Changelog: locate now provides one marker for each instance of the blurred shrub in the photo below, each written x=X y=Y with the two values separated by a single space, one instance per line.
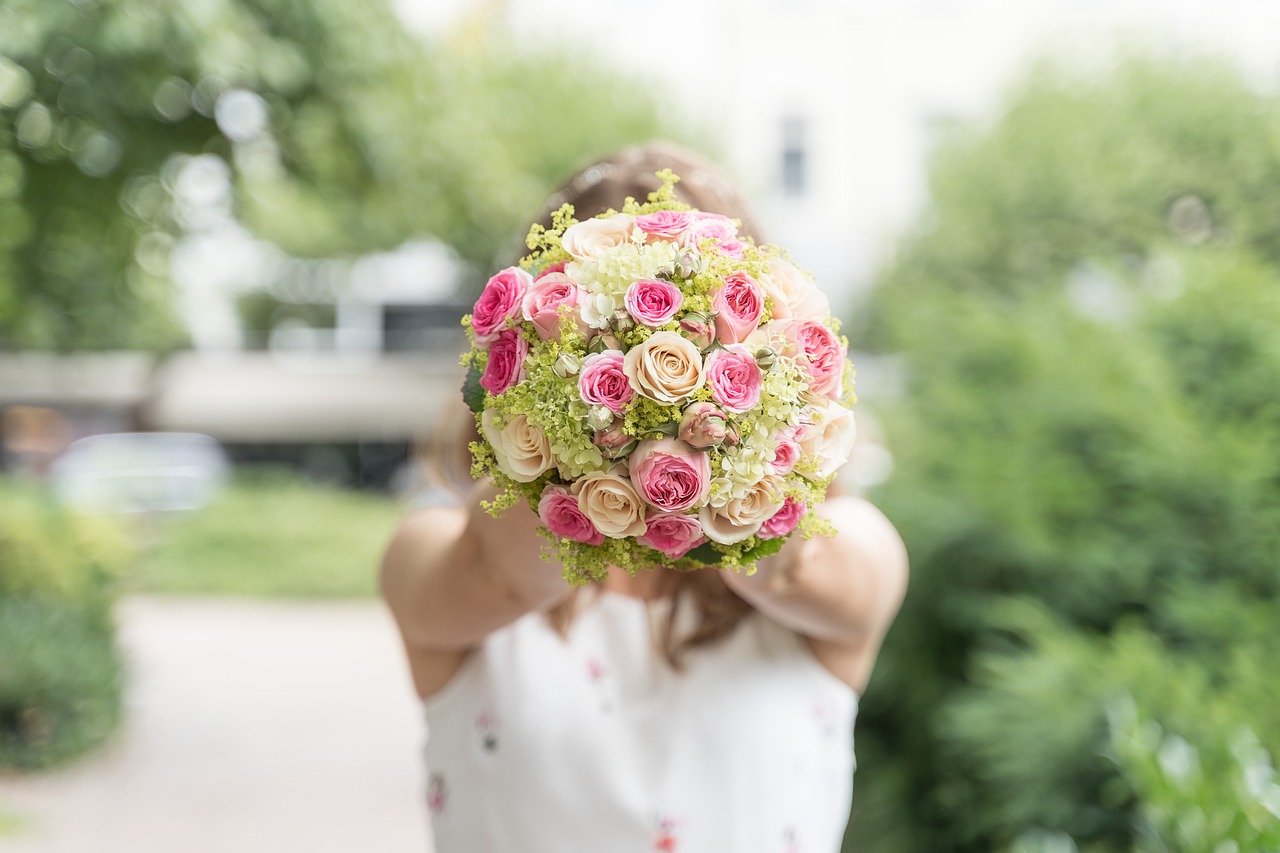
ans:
x=1224 y=798
x=339 y=131
x=1088 y=462
x=60 y=672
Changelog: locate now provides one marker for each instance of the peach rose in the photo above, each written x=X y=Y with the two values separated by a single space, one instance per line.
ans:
x=610 y=502
x=523 y=451
x=742 y=517
x=829 y=439
x=794 y=293
x=595 y=237
x=666 y=368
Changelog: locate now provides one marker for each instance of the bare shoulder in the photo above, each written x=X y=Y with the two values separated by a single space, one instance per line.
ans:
x=425 y=532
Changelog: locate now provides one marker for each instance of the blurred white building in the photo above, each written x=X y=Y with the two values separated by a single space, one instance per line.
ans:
x=826 y=111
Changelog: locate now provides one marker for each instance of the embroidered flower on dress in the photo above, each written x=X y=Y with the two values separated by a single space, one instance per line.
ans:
x=487 y=726
x=595 y=670
x=664 y=836
x=437 y=794
x=824 y=717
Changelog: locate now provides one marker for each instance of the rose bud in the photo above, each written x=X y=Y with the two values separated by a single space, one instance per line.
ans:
x=599 y=417
x=623 y=323
x=688 y=263
x=566 y=365
x=704 y=425
x=698 y=329
x=604 y=341
x=766 y=358
x=613 y=441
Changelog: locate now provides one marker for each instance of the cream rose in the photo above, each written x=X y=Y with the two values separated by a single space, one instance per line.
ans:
x=666 y=368
x=610 y=502
x=522 y=450
x=593 y=238
x=829 y=439
x=794 y=293
x=742 y=517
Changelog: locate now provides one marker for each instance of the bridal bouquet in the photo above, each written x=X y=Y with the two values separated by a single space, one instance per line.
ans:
x=660 y=390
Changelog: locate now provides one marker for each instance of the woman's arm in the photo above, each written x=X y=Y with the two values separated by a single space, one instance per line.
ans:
x=453 y=575
x=841 y=592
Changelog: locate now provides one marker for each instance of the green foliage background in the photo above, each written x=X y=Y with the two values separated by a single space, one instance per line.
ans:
x=374 y=136
x=1088 y=472
x=60 y=671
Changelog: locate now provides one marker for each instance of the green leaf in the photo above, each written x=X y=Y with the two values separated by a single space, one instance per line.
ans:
x=472 y=392
x=764 y=548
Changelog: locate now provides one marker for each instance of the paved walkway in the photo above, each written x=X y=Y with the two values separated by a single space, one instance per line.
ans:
x=250 y=728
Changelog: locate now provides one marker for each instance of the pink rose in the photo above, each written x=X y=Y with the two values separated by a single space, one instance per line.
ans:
x=665 y=224
x=670 y=474
x=506 y=362
x=545 y=297
x=603 y=382
x=704 y=425
x=784 y=520
x=559 y=511
x=652 y=301
x=672 y=533
x=738 y=304
x=793 y=293
x=499 y=301
x=734 y=378
x=553 y=268
x=786 y=453
x=735 y=249
x=710 y=226
x=822 y=353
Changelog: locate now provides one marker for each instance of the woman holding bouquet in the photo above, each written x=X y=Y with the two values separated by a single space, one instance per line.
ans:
x=667 y=710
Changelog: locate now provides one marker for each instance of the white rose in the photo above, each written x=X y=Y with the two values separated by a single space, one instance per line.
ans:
x=742 y=517
x=522 y=450
x=794 y=293
x=830 y=438
x=611 y=503
x=595 y=237
x=666 y=367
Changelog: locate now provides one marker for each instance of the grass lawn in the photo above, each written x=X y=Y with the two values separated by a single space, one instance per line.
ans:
x=10 y=823
x=270 y=534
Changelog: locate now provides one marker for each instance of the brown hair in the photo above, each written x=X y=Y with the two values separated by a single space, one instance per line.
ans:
x=596 y=188
x=632 y=172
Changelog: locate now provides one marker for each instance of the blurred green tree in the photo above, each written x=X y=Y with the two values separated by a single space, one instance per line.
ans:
x=343 y=134
x=1088 y=455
